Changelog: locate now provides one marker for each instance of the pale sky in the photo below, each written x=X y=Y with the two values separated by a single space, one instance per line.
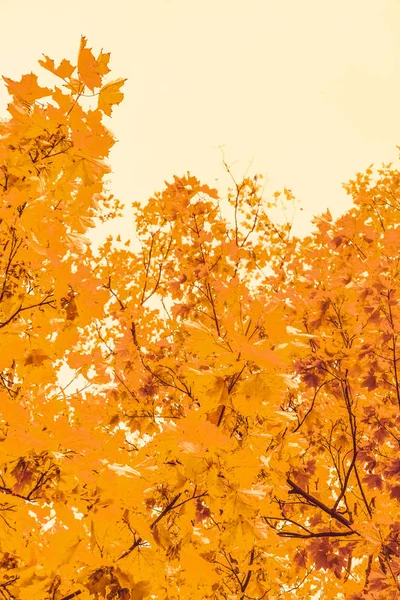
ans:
x=306 y=89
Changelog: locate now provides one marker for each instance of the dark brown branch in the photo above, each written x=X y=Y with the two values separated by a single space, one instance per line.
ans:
x=346 y=481
x=235 y=378
x=312 y=500
x=367 y=572
x=308 y=534
x=215 y=317
x=135 y=544
x=312 y=405
x=173 y=504
x=125 y=386
x=230 y=568
x=7 y=490
x=155 y=288
x=13 y=251
x=246 y=580
x=70 y=596
x=362 y=491
x=221 y=415
x=5 y=584
x=319 y=534
x=42 y=480
x=108 y=287
x=353 y=429
x=191 y=498
x=21 y=309
x=396 y=377
x=184 y=389
x=166 y=510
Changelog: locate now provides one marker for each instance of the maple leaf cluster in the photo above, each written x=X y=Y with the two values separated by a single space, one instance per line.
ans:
x=232 y=426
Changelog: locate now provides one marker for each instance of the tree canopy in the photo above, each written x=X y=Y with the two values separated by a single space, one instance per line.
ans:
x=236 y=428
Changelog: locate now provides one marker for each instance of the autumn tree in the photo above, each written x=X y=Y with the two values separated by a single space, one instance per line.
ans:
x=235 y=430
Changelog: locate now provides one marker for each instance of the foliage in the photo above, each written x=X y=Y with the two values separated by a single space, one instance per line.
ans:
x=236 y=434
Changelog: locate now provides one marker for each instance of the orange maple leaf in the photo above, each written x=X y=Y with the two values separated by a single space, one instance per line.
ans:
x=110 y=94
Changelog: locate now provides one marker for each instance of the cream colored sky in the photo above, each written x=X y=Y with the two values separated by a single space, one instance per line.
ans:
x=306 y=89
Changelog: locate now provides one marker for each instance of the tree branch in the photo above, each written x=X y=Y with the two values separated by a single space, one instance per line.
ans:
x=312 y=500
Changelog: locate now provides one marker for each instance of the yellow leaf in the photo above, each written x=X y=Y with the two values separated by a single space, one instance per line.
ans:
x=88 y=67
x=27 y=89
x=204 y=569
x=36 y=357
x=64 y=70
x=109 y=95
